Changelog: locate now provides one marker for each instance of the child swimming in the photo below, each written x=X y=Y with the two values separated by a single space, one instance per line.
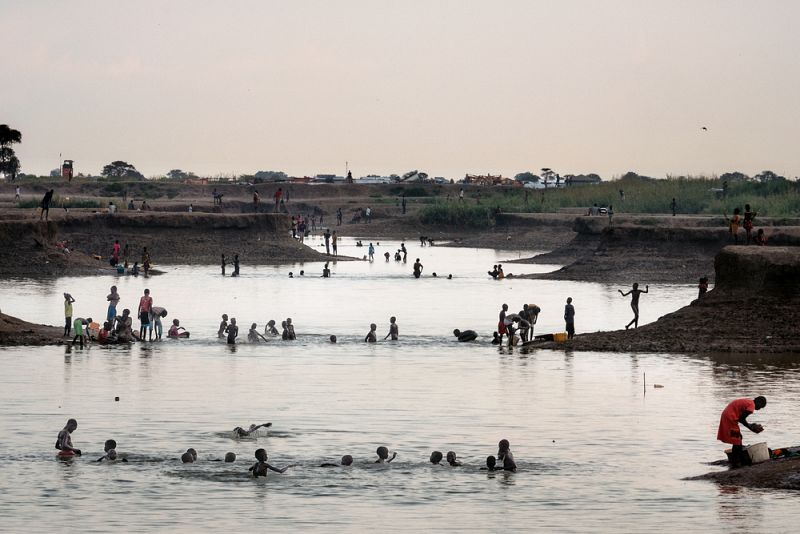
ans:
x=451 y=459
x=241 y=432
x=347 y=461
x=383 y=455
x=504 y=454
x=261 y=467
x=436 y=458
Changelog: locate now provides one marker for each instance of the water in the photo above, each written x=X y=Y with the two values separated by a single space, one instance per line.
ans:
x=596 y=450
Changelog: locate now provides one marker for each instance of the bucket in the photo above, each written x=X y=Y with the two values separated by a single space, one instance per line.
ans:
x=560 y=337
x=758 y=452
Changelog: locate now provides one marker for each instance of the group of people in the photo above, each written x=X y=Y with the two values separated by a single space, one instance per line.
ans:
x=504 y=461
x=119 y=328
x=746 y=220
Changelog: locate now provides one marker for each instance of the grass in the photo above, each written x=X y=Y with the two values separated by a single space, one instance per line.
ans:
x=695 y=196
x=61 y=202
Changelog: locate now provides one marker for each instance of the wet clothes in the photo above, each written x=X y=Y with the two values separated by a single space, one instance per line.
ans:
x=732 y=415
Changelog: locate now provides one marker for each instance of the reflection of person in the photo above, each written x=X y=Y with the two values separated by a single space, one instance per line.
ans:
x=634 y=293
x=734 y=413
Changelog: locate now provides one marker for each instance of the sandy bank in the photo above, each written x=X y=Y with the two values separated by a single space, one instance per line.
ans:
x=774 y=474
x=647 y=249
x=171 y=238
x=15 y=331
x=754 y=308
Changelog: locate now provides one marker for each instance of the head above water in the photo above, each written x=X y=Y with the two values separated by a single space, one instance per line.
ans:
x=332 y=339
x=187 y=457
x=760 y=402
x=192 y=452
x=109 y=444
x=456 y=332
x=224 y=316
x=503 y=445
x=436 y=457
x=373 y=326
x=451 y=457
x=347 y=460
x=491 y=461
x=230 y=457
x=72 y=424
x=111 y=454
x=382 y=452
x=261 y=455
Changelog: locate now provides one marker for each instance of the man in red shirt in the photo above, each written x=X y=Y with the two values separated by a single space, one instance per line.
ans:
x=734 y=413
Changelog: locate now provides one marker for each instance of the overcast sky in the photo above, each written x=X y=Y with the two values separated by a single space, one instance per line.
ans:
x=445 y=86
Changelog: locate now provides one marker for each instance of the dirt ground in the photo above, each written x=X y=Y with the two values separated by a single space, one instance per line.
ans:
x=15 y=331
x=783 y=473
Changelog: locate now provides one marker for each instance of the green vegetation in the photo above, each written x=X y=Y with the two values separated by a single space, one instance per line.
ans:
x=61 y=202
x=694 y=196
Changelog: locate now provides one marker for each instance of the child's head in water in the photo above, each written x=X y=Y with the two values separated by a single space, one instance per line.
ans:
x=503 y=446
x=451 y=458
x=333 y=339
x=491 y=462
x=187 y=457
x=382 y=452
x=347 y=460
x=224 y=316
x=230 y=458
x=109 y=445
x=436 y=457
x=261 y=455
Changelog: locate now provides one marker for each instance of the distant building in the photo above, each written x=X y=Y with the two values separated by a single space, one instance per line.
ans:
x=327 y=179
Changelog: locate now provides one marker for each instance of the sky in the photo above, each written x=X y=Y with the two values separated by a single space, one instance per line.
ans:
x=444 y=86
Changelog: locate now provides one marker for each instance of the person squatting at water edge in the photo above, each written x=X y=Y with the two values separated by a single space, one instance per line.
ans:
x=735 y=413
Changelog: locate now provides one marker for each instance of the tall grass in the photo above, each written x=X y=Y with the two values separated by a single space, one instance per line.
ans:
x=693 y=196
x=60 y=202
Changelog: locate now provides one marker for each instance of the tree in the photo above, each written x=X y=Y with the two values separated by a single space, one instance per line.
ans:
x=177 y=174
x=768 y=176
x=271 y=176
x=734 y=177
x=9 y=164
x=121 y=169
x=526 y=177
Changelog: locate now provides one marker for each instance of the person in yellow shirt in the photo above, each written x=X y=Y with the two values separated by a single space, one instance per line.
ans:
x=68 y=300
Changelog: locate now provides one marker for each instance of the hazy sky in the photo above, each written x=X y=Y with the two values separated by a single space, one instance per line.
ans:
x=445 y=86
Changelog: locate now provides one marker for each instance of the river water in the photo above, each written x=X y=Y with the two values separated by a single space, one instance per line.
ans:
x=598 y=447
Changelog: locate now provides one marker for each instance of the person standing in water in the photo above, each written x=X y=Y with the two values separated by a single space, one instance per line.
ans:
x=394 y=331
x=634 y=293
x=501 y=323
x=64 y=439
x=334 y=240
x=223 y=325
x=417 y=269
x=113 y=299
x=569 y=318
x=223 y=264
x=404 y=251
x=235 y=265
x=372 y=336
x=327 y=236
x=68 y=300
x=145 y=309
x=371 y=252
x=233 y=331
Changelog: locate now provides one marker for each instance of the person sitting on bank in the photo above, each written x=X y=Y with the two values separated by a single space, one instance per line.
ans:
x=735 y=413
